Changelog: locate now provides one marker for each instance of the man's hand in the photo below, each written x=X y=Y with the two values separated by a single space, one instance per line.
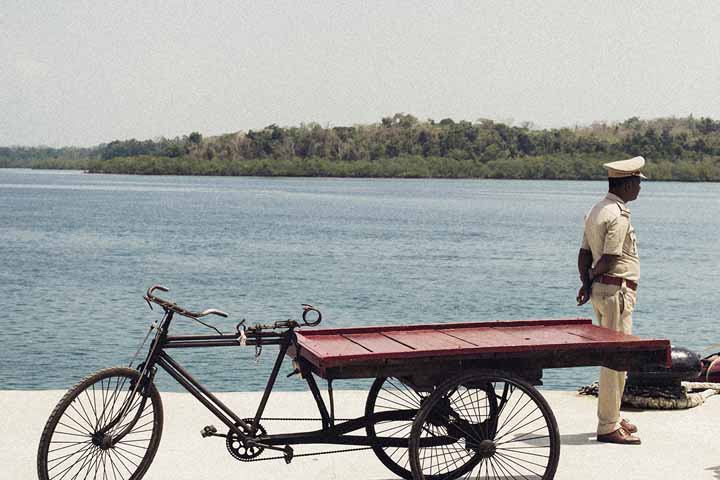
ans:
x=583 y=296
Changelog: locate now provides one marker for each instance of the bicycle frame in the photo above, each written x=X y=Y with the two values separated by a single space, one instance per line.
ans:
x=329 y=433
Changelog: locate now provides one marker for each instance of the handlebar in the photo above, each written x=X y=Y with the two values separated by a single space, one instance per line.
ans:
x=167 y=305
x=308 y=311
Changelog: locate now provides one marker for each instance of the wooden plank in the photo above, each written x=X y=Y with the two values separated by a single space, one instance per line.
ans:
x=485 y=337
x=430 y=340
x=440 y=326
x=547 y=337
x=598 y=333
x=377 y=343
x=331 y=346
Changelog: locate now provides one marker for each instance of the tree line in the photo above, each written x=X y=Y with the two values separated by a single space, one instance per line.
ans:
x=685 y=149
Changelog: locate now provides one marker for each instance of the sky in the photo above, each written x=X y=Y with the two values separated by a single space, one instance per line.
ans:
x=85 y=73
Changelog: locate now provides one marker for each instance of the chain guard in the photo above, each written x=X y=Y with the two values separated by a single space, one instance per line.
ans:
x=241 y=451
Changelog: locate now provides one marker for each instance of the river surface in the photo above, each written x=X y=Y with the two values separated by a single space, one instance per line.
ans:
x=77 y=252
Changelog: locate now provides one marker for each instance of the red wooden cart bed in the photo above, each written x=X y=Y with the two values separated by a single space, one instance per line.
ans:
x=523 y=346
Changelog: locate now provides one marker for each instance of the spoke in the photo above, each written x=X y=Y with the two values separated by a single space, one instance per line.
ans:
x=522 y=452
x=517 y=461
x=394 y=429
x=505 y=401
x=132 y=446
x=83 y=415
x=395 y=399
x=120 y=460
x=403 y=455
x=469 y=435
x=135 y=432
x=92 y=406
x=103 y=396
x=522 y=437
x=128 y=452
x=514 y=413
x=114 y=469
x=118 y=452
x=403 y=392
x=97 y=465
x=393 y=404
x=515 y=424
x=75 y=429
x=461 y=401
x=525 y=440
x=450 y=457
x=90 y=451
x=117 y=391
x=492 y=464
x=72 y=444
x=518 y=427
x=135 y=441
x=66 y=456
x=505 y=468
x=85 y=435
x=105 y=475
x=132 y=432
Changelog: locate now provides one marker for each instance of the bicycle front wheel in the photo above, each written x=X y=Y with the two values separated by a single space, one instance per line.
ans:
x=99 y=429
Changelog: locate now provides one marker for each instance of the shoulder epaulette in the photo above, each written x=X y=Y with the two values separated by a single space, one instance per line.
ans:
x=624 y=211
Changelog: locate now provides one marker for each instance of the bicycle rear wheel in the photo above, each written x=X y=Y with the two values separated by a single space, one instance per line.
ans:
x=485 y=424
x=81 y=437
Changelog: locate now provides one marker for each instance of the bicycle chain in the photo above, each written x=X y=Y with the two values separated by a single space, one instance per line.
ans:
x=309 y=454
x=295 y=419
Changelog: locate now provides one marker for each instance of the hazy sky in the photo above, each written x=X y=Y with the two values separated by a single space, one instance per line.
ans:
x=82 y=73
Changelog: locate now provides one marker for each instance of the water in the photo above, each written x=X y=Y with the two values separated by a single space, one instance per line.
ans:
x=78 y=251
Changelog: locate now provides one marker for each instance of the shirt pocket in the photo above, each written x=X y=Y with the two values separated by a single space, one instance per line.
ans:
x=630 y=244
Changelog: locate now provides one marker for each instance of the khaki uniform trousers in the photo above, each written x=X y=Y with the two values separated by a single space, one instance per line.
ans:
x=613 y=307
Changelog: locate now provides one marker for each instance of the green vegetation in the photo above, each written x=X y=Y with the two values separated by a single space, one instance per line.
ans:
x=684 y=149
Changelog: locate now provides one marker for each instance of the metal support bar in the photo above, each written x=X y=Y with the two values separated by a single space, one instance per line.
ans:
x=216 y=343
x=332 y=402
x=308 y=376
x=228 y=336
x=336 y=434
x=271 y=381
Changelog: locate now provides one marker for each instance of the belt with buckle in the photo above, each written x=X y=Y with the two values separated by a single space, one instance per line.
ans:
x=609 y=280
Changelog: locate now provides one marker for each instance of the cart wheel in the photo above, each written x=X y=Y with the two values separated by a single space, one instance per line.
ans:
x=80 y=437
x=484 y=424
x=391 y=394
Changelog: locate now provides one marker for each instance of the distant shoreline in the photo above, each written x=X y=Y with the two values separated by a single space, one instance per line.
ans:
x=347 y=176
x=402 y=146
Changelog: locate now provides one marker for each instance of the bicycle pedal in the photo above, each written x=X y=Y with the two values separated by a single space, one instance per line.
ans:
x=288 y=453
x=208 y=431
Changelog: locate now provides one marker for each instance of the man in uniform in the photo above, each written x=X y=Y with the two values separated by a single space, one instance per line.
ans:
x=609 y=269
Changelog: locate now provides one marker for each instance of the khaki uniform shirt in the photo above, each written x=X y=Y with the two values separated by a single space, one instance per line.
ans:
x=608 y=230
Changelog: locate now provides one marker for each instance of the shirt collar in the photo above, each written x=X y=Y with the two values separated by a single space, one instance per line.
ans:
x=614 y=198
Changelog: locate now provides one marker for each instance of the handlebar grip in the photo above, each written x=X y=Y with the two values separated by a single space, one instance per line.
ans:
x=156 y=287
x=213 y=311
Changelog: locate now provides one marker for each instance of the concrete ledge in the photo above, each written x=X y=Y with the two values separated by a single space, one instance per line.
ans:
x=677 y=444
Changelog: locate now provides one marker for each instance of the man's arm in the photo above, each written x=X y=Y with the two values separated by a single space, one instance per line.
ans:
x=588 y=273
x=603 y=265
x=584 y=263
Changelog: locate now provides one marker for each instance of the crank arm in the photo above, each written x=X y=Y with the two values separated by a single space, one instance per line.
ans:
x=287 y=450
